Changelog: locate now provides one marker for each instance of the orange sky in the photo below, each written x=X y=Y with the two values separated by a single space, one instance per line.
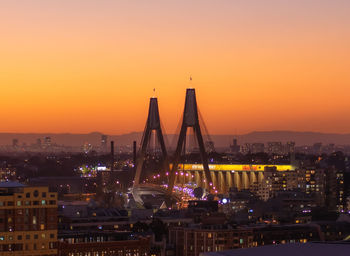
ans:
x=81 y=66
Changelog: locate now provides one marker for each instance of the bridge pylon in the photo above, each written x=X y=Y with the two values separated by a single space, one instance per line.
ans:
x=152 y=124
x=190 y=120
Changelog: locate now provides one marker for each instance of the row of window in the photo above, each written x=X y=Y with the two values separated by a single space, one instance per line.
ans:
x=27 y=237
x=28 y=203
x=20 y=247
x=36 y=194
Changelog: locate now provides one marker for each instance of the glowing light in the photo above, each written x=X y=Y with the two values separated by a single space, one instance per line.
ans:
x=234 y=167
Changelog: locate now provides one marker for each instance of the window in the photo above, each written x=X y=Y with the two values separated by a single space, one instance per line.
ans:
x=36 y=236
x=27 y=237
x=27 y=202
x=42 y=227
x=36 y=193
x=43 y=236
x=19 y=203
x=10 y=203
x=43 y=202
x=52 y=235
x=43 y=194
x=35 y=202
x=2 y=238
x=1 y=203
x=34 y=220
x=27 y=195
x=19 y=237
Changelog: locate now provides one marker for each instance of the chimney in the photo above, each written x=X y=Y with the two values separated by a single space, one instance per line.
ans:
x=112 y=155
x=134 y=152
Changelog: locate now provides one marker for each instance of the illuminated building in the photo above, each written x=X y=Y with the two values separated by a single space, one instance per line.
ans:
x=274 y=148
x=87 y=244
x=335 y=189
x=257 y=148
x=193 y=241
x=314 y=248
x=282 y=234
x=289 y=147
x=47 y=142
x=28 y=220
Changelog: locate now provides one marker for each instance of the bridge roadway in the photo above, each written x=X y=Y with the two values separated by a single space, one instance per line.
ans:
x=226 y=176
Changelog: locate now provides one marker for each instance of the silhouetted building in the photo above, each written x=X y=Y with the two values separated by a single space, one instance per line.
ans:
x=104 y=143
x=235 y=148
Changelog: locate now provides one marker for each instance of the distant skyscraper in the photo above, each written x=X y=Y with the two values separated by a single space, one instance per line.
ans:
x=15 y=143
x=47 y=142
x=38 y=143
x=235 y=148
x=104 y=143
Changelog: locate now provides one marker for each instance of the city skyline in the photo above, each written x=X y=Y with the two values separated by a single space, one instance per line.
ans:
x=82 y=67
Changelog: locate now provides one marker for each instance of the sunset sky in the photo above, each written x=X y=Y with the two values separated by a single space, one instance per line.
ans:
x=80 y=66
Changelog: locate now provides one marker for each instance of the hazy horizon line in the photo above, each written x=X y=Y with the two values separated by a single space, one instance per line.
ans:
x=231 y=134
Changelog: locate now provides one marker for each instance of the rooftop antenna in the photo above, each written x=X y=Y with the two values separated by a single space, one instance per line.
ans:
x=154 y=93
x=191 y=82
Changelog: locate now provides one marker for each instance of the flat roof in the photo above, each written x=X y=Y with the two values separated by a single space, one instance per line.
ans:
x=319 y=249
x=11 y=184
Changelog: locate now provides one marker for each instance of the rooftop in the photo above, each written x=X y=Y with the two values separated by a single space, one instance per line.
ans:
x=11 y=184
x=319 y=249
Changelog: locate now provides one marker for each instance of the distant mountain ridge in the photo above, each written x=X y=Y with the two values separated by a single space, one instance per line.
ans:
x=70 y=139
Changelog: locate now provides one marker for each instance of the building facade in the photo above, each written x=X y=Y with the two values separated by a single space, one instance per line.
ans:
x=28 y=220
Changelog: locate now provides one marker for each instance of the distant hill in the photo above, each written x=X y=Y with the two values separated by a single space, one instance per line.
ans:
x=300 y=138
